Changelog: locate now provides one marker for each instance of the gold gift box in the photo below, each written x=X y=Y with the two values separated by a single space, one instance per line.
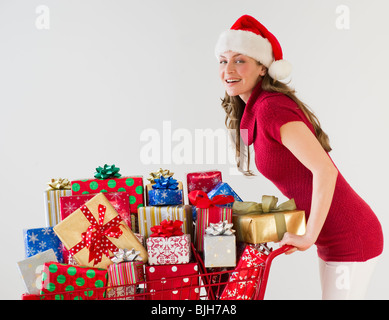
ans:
x=70 y=229
x=262 y=227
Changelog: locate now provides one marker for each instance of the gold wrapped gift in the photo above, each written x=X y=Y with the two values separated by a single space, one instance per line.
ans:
x=266 y=222
x=73 y=232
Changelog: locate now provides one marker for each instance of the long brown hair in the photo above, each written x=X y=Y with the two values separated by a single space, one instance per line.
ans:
x=234 y=107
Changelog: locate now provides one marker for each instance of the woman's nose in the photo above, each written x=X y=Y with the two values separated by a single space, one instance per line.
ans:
x=230 y=67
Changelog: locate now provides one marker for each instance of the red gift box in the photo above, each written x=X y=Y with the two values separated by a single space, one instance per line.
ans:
x=168 y=250
x=243 y=281
x=133 y=185
x=204 y=181
x=173 y=282
x=66 y=282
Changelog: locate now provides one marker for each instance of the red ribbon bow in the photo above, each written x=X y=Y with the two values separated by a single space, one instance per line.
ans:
x=167 y=229
x=200 y=199
x=95 y=237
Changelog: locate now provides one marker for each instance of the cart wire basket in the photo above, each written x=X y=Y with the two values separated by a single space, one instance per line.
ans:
x=248 y=283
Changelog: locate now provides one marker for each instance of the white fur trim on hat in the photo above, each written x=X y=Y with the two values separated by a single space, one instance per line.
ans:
x=280 y=69
x=247 y=43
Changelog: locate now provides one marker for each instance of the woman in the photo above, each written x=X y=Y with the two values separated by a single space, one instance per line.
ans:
x=291 y=150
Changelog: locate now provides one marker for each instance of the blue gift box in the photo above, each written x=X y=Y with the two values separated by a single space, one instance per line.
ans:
x=165 y=197
x=41 y=239
x=223 y=188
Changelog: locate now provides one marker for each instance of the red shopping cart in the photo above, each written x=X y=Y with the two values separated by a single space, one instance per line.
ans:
x=247 y=283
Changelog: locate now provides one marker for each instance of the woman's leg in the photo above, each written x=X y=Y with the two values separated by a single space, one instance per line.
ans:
x=345 y=280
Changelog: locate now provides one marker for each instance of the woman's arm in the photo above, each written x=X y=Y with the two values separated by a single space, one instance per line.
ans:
x=297 y=137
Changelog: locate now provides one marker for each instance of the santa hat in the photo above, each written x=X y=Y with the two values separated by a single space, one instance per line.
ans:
x=249 y=37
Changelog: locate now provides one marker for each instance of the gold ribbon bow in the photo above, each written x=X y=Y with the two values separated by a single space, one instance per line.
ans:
x=160 y=173
x=59 y=184
x=268 y=205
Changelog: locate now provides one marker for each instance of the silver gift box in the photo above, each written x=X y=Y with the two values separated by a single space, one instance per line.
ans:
x=219 y=251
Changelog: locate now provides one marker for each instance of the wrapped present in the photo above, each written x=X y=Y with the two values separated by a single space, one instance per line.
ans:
x=38 y=240
x=95 y=231
x=219 y=245
x=126 y=270
x=173 y=282
x=31 y=270
x=204 y=181
x=57 y=189
x=109 y=180
x=66 y=282
x=243 y=282
x=151 y=216
x=168 y=244
x=223 y=188
x=208 y=211
x=165 y=191
x=267 y=222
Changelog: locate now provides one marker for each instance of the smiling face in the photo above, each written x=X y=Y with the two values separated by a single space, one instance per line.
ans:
x=240 y=74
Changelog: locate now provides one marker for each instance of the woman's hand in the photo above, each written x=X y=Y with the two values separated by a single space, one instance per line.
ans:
x=300 y=243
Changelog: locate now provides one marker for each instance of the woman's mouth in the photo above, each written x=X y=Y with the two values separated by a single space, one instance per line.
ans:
x=231 y=81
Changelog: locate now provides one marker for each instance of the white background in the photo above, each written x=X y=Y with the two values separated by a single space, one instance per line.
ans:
x=79 y=95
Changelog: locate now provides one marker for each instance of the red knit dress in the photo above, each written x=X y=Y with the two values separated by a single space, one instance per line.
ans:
x=351 y=231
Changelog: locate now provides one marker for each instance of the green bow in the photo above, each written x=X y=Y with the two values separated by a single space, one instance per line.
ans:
x=107 y=172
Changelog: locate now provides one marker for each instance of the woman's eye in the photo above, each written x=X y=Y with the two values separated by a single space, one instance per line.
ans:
x=239 y=61
x=223 y=61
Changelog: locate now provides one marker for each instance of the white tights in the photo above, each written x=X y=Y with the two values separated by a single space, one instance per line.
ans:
x=345 y=280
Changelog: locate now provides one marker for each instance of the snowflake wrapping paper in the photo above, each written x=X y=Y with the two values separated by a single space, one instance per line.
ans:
x=243 y=281
x=205 y=180
x=38 y=240
x=164 y=197
x=224 y=189
x=133 y=185
x=168 y=250
x=173 y=282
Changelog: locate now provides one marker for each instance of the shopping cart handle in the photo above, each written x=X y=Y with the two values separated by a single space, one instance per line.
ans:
x=280 y=250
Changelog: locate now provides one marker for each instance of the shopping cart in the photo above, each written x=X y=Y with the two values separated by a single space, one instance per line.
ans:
x=206 y=284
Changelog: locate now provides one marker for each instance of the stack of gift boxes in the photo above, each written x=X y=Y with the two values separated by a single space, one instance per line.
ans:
x=112 y=237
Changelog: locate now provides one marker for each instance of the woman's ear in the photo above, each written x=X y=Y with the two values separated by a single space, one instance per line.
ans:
x=262 y=70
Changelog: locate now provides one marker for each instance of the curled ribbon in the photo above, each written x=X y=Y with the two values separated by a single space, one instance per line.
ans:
x=165 y=183
x=125 y=255
x=59 y=184
x=200 y=199
x=96 y=236
x=158 y=174
x=107 y=172
x=220 y=228
x=167 y=229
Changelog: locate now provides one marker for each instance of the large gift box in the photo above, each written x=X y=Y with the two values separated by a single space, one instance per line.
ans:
x=31 y=270
x=151 y=216
x=219 y=245
x=209 y=211
x=38 y=240
x=243 y=282
x=168 y=244
x=265 y=222
x=95 y=231
x=65 y=282
x=57 y=189
x=204 y=181
x=112 y=183
x=173 y=282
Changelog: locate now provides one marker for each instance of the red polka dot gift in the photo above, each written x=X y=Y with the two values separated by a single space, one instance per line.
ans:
x=95 y=231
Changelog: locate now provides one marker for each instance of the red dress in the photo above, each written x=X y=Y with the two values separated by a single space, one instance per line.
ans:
x=351 y=231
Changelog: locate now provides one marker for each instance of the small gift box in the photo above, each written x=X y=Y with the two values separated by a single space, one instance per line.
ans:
x=173 y=282
x=243 y=281
x=219 y=245
x=223 y=188
x=65 y=282
x=38 y=240
x=151 y=216
x=168 y=244
x=31 y=270
x=204 y=181
x=126 y=270
x=107 y=179
x=266 y=222
x=95 y=231
x=57 y=189
x=208 y=211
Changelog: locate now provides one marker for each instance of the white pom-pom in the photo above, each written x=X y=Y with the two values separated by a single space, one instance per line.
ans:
x=280 y=69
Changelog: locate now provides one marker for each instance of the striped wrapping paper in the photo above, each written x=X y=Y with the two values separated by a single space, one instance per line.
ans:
x=150 y=216
x=125 y=273
x=52 y=206
x=207 y=216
